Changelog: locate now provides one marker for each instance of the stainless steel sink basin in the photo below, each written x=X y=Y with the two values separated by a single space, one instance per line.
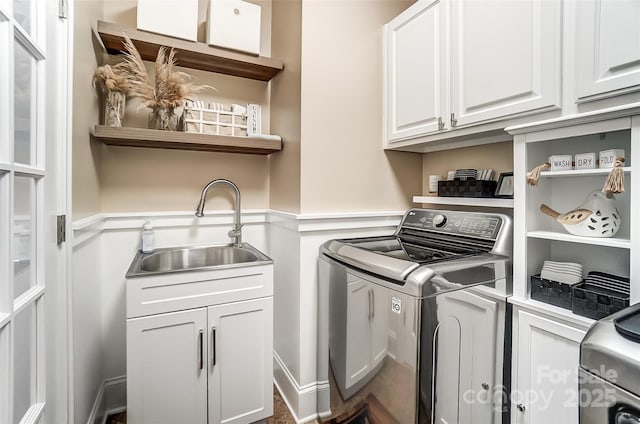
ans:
x=195 y=258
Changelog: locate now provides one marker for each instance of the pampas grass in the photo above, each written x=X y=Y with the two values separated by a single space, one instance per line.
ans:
x=114 y=78
x=168 y=90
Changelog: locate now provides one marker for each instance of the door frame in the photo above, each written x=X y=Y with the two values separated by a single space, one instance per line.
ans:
x=51 y=196
x=60 y=391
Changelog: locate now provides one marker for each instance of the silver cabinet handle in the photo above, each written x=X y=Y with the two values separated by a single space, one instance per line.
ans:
x=201 y=346
x=369 y=299
x=454 y=121
x=213 y=346
x=521 y=407
x=440 y=123
x=373 y=304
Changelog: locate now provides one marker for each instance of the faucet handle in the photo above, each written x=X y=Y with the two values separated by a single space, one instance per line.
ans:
x=236 y=230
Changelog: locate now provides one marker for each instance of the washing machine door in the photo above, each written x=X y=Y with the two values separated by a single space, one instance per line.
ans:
x=626 y=415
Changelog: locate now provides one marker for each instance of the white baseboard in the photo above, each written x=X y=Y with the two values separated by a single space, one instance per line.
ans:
x=323 y=399
x=112 y=412
x=301 y=400
x=95 y=415
x=111 y=399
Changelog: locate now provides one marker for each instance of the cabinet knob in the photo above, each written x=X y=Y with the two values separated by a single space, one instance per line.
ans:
x=521 y=407
x=485 y=386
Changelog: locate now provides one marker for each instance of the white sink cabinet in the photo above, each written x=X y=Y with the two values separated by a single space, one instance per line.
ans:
x=199 y=346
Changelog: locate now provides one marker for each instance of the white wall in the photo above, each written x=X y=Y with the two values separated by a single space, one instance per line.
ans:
x=88 y=347
x=294 y=243
x=104 y=246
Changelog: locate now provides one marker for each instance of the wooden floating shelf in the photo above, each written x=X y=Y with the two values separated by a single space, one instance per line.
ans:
x=621 y=243
x=158 y=139
x=486 y=202
x=190 y=54
x=581 y=172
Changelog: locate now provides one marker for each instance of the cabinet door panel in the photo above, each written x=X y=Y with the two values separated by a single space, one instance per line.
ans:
x=505 y=58
x=466 y=359
x=608 y=48
x=165 y=383
x=358 y=332
x=241 y=381
x=379 y=324
x=547 y=371
x=414 y=71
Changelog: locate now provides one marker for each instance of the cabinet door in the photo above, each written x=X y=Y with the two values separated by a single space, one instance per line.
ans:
x=380 y=307
x=166 y=368
x=414 y=74
x=607 y=48
x=546 y=373
x=505 y=58
x=241 y=361
x=358 y=332
x=466 y=358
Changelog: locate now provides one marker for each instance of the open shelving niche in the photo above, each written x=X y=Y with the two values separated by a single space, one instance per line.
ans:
x=538 y=237
x=194 y=55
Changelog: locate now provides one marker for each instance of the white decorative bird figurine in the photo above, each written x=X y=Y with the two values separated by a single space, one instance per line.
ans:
x=598 y=216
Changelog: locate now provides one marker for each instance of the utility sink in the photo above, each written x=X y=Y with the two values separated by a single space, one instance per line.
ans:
x=178 y=259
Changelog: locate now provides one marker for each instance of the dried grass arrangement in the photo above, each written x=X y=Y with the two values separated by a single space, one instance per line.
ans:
x=165 y=93
x=113 y=78
x=114 y=85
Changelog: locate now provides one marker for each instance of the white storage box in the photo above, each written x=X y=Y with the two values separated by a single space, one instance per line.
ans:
x=561 y=162
x=608 y=157
x=234 y=24
x=586 y=160
x=175 y=18
x=215 y=121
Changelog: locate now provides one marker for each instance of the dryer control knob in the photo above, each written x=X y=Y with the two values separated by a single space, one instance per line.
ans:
x=439 y=221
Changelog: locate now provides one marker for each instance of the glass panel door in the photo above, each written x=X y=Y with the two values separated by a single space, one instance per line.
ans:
x=24 y=100
x=22 y=175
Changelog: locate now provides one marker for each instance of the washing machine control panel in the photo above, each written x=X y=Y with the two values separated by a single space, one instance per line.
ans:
x=453 y=222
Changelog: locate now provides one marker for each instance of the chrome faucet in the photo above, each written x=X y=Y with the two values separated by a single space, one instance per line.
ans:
x=236 y=232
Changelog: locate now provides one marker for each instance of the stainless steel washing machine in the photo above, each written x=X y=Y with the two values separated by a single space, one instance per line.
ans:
x=610 y=370
x=414 y=326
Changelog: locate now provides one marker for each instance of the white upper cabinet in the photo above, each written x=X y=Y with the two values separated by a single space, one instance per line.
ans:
x=505 y=58
x=415 y=51
x=607 y=48
x=453 y=63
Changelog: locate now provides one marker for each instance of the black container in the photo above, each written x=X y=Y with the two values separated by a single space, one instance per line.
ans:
x=466 y=188
x=552 y=292
x=596 y=302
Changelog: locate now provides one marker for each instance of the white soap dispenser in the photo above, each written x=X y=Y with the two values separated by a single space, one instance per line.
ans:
x=147 y=238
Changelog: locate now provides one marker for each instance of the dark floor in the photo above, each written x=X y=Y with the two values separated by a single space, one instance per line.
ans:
x=357 y=411
x=281 y=413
